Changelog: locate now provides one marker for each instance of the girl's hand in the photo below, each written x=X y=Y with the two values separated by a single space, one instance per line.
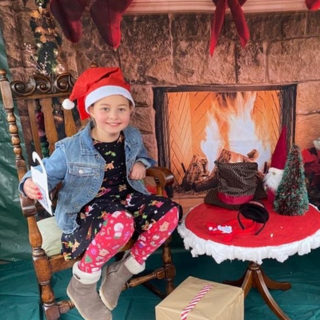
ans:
x=138 y=171
x=31 y=190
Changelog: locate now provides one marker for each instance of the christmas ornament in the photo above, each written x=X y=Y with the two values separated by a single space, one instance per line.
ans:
x=292 y=195
x=238 y=17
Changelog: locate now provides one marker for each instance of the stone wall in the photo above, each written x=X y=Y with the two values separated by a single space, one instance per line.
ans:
x=173 y=49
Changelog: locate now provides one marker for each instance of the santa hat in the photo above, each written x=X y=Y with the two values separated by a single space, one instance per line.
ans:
x=278 y=161
x=95 y=84
x=279 y=156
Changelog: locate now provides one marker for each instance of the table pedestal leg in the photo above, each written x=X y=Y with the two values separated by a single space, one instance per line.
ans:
x=255 y=278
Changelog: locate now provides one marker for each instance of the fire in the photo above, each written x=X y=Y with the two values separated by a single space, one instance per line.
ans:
x=233 y=124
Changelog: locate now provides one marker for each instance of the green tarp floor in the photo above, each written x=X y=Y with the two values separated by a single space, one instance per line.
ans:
x=19 y=292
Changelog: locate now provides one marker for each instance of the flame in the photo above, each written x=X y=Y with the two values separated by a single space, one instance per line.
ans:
x=212 y=147
x=231 y=126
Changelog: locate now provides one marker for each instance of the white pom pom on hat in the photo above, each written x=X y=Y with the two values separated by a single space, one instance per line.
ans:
x=68 y=104
x=94 y=84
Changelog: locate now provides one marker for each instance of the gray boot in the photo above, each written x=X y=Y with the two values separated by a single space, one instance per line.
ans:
x=82 y=290
x=115 y=277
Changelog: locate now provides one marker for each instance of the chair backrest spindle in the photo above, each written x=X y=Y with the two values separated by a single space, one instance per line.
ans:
x=12 y=123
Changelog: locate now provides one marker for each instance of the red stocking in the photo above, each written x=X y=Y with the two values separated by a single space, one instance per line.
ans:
x=68 y=14
x=217 y=22
x=107 y=15
x=313 y=4
x=238 y=18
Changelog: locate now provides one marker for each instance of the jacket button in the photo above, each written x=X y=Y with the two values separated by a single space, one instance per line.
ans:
x=80 y=171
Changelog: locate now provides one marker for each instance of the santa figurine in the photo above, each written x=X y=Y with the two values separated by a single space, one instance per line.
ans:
x=273 y=178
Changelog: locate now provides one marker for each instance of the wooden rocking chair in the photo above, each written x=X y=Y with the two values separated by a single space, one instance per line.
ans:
x=39 y=102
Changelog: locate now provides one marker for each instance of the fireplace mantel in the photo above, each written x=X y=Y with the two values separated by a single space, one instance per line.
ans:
x=168 y=6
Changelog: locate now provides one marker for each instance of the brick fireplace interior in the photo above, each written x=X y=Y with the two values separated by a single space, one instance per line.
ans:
x=171 y=50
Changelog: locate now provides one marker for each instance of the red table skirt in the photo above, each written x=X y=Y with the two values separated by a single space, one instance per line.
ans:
x=285 y=234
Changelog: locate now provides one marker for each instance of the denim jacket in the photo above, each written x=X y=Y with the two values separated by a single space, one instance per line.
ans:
x=80 y=167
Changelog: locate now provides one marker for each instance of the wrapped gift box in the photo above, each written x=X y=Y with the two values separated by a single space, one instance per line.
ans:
x=196 y=299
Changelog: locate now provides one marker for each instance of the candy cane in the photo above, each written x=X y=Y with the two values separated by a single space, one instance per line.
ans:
x=194 y=301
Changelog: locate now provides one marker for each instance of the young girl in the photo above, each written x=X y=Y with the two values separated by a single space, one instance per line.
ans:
x=103 y=200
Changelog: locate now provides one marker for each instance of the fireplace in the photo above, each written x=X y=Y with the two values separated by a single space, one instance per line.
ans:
x=195 y=126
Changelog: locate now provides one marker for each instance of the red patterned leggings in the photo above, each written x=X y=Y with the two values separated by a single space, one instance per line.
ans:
x=117 y=230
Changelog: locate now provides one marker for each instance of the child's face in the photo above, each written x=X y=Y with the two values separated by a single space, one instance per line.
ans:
x=111 y=115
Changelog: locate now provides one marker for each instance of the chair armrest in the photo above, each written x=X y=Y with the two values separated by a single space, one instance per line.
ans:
x=29 y=211
x=163 y=178
x=28 y=207
x=163 y=175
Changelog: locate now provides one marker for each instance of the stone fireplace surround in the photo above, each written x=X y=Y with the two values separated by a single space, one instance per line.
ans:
x=172 y=49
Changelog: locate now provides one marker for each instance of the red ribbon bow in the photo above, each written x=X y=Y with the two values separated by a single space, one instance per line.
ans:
x=238 y=17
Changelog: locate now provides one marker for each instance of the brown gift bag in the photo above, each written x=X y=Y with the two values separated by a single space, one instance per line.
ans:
x=196 y=299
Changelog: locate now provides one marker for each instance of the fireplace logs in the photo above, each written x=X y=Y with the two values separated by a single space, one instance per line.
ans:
x=198 y=178
x=195 y=173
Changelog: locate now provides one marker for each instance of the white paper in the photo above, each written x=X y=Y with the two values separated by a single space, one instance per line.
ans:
x=41 y=180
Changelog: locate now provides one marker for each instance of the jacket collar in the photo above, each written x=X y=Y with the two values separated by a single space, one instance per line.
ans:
x=86 y=144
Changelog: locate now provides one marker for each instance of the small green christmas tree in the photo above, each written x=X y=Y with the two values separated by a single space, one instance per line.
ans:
x=292 y=196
